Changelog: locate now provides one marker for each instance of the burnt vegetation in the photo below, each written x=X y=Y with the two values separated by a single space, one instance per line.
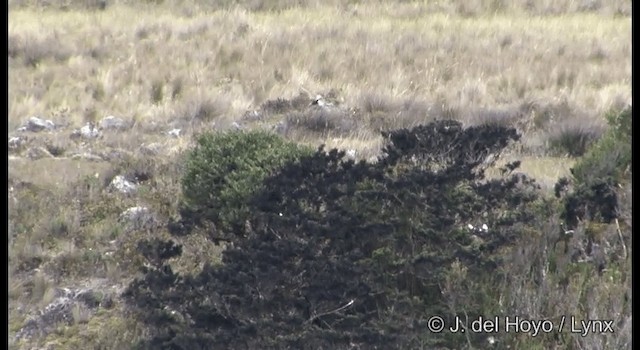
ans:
x=335 y=254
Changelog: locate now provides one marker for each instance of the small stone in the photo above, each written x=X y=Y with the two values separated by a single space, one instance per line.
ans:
x=121 y=184
x=174 y=132
x=89 y=131
x=112 y=123
x=16 y=142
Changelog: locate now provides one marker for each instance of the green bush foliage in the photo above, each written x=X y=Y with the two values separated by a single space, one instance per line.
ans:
x=610 y=158
x=226 y=169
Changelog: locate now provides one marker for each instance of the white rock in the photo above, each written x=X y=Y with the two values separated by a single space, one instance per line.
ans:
x=16 y=142
x=174 y=132
x=112 y=123
x=59 y=310
x=89 y=131
x=36 y=124
x=121 y=184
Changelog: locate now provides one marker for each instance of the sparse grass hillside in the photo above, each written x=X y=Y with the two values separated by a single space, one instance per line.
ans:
x=118 y=164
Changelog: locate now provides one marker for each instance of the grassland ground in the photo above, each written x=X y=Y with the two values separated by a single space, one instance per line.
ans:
x=550 y=69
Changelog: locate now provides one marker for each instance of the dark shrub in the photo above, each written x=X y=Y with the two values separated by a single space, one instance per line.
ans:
x=600 y=171
x=345 y=254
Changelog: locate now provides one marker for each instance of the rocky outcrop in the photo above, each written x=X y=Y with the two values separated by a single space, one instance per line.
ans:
x=88 y=131
x=37 y=124
x=113 y=123
x=85 y=301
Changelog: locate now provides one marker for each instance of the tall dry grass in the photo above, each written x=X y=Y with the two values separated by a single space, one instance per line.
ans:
x=157 y=65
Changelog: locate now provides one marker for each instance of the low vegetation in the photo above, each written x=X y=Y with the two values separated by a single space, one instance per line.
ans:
x=345 y=254
x=224 y=171
x=303 y=174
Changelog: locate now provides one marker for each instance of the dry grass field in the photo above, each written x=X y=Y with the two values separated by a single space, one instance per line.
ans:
x=547 y=67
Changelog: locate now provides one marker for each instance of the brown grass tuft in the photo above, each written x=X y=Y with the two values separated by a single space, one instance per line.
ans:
x=573 y=137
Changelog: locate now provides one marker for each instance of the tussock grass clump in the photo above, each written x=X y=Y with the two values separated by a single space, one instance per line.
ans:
x=157 y=91
x=278 y=106
x=381 y=112
x=573 y=137
x=374 y=103
x=323 y=121
x=545 y=114
x=203 y=109
x=74 y=263
x=177 y=86
x=505 y=117
x=33 y=49
x=414 y=111
x=39 y=289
